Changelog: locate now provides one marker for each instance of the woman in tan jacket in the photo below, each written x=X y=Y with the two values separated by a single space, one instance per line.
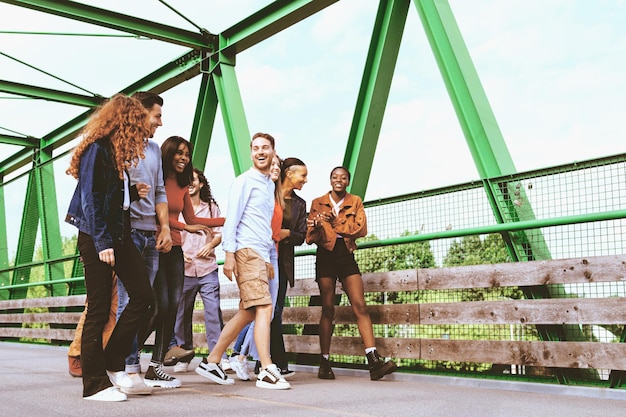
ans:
x=335 y=221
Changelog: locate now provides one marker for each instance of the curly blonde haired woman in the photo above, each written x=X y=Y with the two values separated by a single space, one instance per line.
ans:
x=112 y=140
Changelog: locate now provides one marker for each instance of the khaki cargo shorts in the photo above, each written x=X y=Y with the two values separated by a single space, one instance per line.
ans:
x=252 y=279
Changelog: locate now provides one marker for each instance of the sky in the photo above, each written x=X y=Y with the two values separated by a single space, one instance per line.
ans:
x=552 y=70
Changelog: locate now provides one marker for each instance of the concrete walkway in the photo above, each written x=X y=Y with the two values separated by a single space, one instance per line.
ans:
x=37 y=384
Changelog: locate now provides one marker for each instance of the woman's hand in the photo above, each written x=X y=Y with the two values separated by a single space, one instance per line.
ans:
x=205 y=251
x=107 y=256
x=196 y=228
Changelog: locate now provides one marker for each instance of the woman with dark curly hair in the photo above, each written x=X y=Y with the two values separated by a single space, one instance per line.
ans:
x=168 y=285
x=112 y=141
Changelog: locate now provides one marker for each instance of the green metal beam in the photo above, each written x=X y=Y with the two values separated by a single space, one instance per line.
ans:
x=235 y=123
x=51 y=240
x=482 y=133
x=164 y=78
x=374 y=92
x=117 y=21
x=5 y=277
x=203 y=121
x=49 y=94
x=267 y=22
x=28 y=142
x=27 y=238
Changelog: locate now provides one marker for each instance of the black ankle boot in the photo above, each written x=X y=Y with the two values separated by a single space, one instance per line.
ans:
x=378 y=367
x=325 y=371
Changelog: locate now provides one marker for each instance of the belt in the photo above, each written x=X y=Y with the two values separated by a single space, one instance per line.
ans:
x=148 y=233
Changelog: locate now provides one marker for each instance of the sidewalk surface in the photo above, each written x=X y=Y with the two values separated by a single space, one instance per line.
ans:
x=37 y=384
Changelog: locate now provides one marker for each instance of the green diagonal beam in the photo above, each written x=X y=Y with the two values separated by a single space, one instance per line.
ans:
x=479 y=125
x=49 y=94
x=203 y=121
x=374 y=92
x=28 y=142
x=268 y=21
x=166 y=77
x=235 y=123
x=117 y=21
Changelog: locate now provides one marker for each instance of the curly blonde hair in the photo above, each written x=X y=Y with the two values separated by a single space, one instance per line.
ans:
x=125 y=122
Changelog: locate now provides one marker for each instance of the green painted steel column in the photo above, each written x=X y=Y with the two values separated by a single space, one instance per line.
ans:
x=231 y=105
x=5 y=277
x=203 y=121
x=52 y=243
x=27 y=238
x=374 y=92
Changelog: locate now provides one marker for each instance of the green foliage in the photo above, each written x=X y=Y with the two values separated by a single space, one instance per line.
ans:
x=395 y=257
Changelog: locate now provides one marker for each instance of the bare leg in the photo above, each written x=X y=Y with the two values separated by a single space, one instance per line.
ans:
x=327 y=296
x=262 y=321
x=353 y=286
x=230 y=332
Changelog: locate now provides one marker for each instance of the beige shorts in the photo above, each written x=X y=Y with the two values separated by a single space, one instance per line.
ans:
x=252 y=279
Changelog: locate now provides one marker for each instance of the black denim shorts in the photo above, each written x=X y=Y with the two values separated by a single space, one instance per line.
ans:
x=338 y=263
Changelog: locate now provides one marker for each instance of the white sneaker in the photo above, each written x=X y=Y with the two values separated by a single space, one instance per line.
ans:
x=213 y=372
x=133 y=369
x=181 y=367
x=108 y=394
x=240 y=366
x=120 y=379
x=270 y=378
x=139 y=386
x=225 y=364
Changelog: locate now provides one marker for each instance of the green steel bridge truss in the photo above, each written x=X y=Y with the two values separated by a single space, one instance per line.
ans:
x=213 y=58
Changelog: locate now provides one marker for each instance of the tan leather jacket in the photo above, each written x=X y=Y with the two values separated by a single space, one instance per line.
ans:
x=350 y=223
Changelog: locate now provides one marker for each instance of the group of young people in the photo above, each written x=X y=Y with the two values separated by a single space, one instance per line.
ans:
x=148 y=228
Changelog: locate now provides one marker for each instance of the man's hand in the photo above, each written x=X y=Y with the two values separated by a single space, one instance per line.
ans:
x=107 y=256
x=142 y=189
x=270 y=270
x=230 y=266
x=164 y=240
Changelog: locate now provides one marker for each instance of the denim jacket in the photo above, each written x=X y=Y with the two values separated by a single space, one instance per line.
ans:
x=96 y=206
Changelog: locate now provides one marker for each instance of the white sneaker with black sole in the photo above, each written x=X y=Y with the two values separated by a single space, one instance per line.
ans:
x=270 y=378
x=157 y=378
x=213 y=372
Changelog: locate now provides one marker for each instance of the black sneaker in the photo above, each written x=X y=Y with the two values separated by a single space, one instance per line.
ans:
x=213 y=372
x=325 y=371
x=156 y=377
x=287 y=373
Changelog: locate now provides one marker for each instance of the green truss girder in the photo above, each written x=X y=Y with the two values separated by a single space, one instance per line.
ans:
x=48 y=214
x=488 y=148
x=117 y=21
x=235 y=122
x=27 y=142
x=5 y=277
x=374 y=92
x=49 y=94
x=268 y=21
x=203 y=121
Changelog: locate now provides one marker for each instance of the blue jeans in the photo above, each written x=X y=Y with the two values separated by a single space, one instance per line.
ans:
x=209 y=288
x=168 y=289
x=146 y=244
